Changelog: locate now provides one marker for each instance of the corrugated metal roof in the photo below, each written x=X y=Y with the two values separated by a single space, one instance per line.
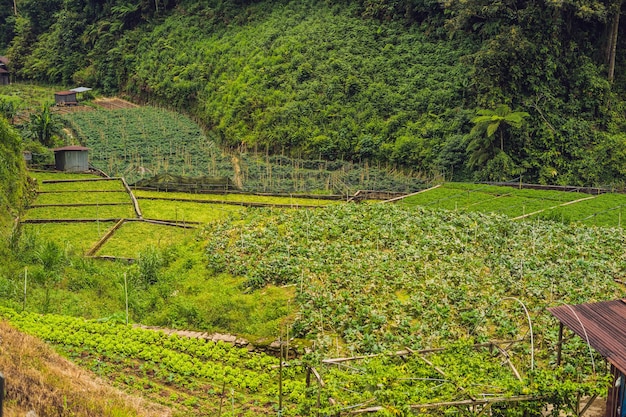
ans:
x=603 y=324
x=71 y=148
x=4 y=71
x=64 y=93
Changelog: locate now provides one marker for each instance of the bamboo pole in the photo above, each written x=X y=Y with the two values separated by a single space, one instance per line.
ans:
x=408 y=352
x=553 y=207
x=559 y=345
x=393 y=200
x=133 y=199
x=104 y=238
x=508 y=361
x=493 y=400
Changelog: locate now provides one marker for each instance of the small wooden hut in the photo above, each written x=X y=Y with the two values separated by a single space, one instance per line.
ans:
x=65 y=98
x=5 y=74
x=71 y=159
x=603 y=326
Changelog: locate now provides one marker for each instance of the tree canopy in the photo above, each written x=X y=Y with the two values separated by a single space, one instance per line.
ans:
x=396 y=82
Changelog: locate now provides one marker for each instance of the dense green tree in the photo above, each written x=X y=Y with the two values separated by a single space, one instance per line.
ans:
x=391 y=81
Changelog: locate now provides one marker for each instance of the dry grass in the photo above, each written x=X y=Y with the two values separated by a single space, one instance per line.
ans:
x=39 y=379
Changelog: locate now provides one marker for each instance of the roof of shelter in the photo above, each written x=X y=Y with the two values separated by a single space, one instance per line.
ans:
x=602 y=325
x=71 y=148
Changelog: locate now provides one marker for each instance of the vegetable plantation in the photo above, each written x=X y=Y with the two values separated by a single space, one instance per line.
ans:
x=194 y=376
x=375 y=277
x=145 y=141
x=355 y=279
x=201 y=377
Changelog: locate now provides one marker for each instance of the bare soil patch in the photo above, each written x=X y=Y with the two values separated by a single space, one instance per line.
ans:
x=114 y=103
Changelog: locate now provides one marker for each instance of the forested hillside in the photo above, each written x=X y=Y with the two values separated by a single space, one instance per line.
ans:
x=474 y=90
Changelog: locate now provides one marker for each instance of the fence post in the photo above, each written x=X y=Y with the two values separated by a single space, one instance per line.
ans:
x=1 y=393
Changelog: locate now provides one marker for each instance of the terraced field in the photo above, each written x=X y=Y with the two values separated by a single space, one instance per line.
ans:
x=597 y=210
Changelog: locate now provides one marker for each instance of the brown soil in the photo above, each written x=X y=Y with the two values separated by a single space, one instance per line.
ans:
x=114 y=103
x=597 y=409
x=71 y=109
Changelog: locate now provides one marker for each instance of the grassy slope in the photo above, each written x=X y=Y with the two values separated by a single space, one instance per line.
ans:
x=39 y=379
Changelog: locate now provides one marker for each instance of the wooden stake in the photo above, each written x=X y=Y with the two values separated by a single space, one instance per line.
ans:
x=559 y=345
x=25 y=281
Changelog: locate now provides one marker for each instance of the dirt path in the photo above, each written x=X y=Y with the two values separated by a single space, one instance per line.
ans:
x=238 y=180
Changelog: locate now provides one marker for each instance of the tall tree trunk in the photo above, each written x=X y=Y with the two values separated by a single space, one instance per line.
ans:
x=15 y=7
x=614 y=32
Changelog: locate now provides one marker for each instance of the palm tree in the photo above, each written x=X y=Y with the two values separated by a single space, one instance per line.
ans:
x=43 y=126
x=489 y=121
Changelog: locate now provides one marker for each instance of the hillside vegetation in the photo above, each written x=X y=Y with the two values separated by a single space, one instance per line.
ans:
x=13 y=184
x=471 y=90
x=38 y=379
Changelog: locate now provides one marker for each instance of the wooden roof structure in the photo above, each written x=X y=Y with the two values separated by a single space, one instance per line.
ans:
x=602 y=325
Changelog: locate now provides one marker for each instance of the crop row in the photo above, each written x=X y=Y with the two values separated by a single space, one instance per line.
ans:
x=167 y=356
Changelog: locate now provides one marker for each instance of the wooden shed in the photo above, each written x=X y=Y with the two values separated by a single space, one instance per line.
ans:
x=65 y=98
x=603 y=326
x=71 y=159
x=5 y=74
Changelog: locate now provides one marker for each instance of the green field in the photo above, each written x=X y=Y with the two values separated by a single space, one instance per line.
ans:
x=184 y=211
x=78 y=236
x=64 y=197
x=603 y=210
x=43 y=175
x=236 y=198
x=86 y=186
x=135 y=237
x=81 y=212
